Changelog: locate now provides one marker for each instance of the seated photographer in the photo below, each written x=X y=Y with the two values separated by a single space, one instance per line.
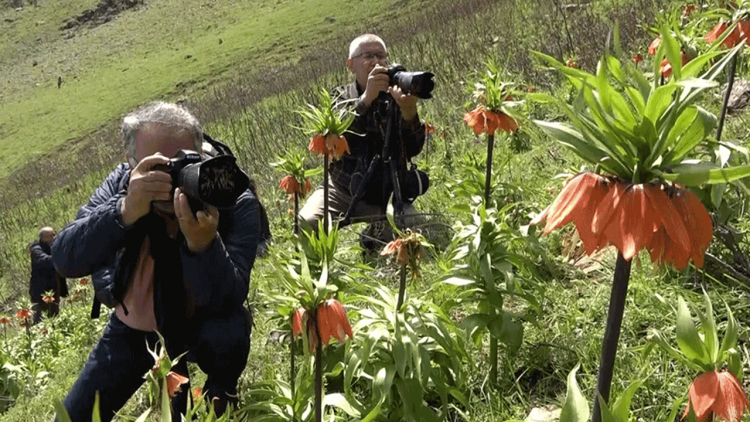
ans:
x=168 y=268
x=368 y=93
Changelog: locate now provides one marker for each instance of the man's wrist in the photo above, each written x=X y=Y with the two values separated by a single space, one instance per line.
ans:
x=123 y=217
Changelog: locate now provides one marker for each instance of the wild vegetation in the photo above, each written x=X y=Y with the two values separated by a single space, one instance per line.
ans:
x=425 y=355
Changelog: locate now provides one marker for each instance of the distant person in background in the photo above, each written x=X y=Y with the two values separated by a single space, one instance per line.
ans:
x=368 y=61
x=44 y=277
x=167 y=268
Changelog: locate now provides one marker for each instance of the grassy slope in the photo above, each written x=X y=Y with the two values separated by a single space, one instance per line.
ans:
x=574 y=302
x=155 y=51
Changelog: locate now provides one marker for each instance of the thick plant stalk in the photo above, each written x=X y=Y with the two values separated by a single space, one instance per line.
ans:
x=318 y=373
x=291 y=360
x=296 y=218
x=401 y=288
x=325 y=193
x=493 y=357
x=612 y=333
x=488 y=177
x=730 y=83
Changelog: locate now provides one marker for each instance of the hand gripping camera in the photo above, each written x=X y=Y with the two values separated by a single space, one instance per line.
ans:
x=217 y=181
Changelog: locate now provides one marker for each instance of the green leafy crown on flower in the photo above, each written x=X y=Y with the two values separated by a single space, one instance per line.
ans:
x=328 y=117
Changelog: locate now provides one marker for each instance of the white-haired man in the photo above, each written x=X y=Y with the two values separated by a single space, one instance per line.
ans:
x=164 y=268
x=368 y=61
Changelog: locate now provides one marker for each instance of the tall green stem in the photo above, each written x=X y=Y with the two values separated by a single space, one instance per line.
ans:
x=493 y=354
x=488 y=176
x=325 y=193
x=401 y=288
x=730 y=83
x=318 y=373
x=296 y=216
x=612 y=333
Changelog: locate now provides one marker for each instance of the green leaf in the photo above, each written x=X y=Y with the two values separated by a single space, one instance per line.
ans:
x=339 y=401
x=621 y=408
x=672 y=48
x=698 y=174
x=576 y=407
x=690 y=129
x=475 y=325
x=166 y=412
x=688 y=338
x=708 y=326
x=62 y=413
x=573 y=139
x=658 y=102
x=730 y=333
x=458 y=281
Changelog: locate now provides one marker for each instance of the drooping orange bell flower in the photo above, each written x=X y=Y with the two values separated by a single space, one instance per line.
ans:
x=666 y=67
x=654 y=46
x=336 y=145
x=577 y=202
x=637 y=58
x=719 y=393
x=23 y=314
x=174 y=383
x=428 y=128
x=83 y=281
x=572 y=64
x=668 y=221
x=289 y=184
x=317 y=144
x=739 y=34
x=48 y=298
x=297 y=318
x=197 y=393
x=5 y=321
x=332 y=322
x=488 y=121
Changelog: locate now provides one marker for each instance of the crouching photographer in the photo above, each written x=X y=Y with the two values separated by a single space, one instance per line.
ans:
x=384 y=137
x=170 y=238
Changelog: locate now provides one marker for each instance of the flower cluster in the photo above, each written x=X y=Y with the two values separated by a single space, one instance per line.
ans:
x=738 y=35
x=290 y=185
x=408 y=251
x=669 y=221
x=331 y=144
x=488 y=121
x=330 y=319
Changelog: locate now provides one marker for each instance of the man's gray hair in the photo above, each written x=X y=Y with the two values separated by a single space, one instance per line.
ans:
x=364 y=39
x=160 y=113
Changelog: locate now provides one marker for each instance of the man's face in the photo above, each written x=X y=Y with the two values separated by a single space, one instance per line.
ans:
x=361 y=64
x=166 y=141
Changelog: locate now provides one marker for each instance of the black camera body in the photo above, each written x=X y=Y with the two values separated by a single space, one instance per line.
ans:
x=418 y=84
x=217 y=181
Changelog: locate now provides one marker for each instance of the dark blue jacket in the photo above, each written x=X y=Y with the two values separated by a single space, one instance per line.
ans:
x=43 y=274
x=216 y=281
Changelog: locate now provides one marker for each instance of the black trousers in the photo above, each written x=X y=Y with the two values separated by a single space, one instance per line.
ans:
x=116 y=366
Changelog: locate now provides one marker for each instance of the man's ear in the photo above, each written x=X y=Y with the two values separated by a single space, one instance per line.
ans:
x=132 y=162
x=350 y=65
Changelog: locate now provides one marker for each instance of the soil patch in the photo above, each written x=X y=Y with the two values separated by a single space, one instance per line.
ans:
x=104 y=12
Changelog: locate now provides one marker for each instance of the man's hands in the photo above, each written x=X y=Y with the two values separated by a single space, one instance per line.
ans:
x=146 y=185
x=199 y=230
x=378 y=82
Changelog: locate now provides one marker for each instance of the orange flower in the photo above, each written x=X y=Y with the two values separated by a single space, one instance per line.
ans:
x=197 y=393
x=637 y=58
x=391 y=248
x=428 y=128
x=23 y=314
x=572 y=63
x=577 y=202
x=317 y=144
x=654 y=46
x=666 y=67
x=670 y=222
x=174 y=383
x=48 y=299
x=716 y=393
x=297 y=318
x=83 y=281
x=308 y=187
x=332 y=322
x=336 y=145
x=488 y=121
x=289 y=184
x=688 y=10
x=5 y=320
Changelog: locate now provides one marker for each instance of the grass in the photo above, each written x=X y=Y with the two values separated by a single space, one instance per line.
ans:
x=249 y=105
